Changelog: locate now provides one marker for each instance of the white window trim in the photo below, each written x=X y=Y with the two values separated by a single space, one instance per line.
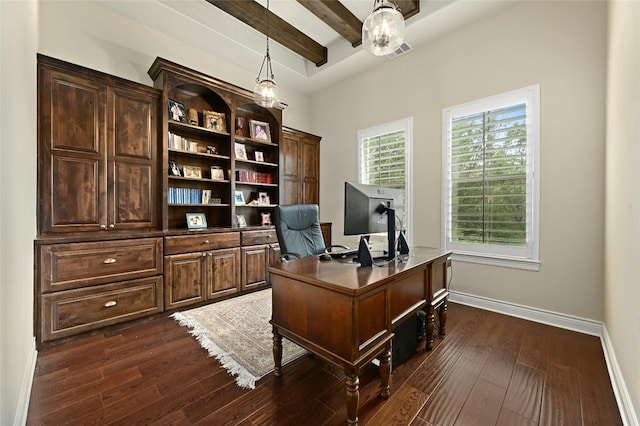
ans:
x=520 y=258
x=405 y=124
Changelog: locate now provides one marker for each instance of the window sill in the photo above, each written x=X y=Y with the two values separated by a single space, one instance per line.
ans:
x=501 y=261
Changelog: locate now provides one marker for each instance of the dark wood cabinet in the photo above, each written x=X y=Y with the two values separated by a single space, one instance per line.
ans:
x=97 y=151
x=300 y=164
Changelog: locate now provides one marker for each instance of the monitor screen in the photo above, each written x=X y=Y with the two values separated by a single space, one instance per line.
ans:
x=365 y=207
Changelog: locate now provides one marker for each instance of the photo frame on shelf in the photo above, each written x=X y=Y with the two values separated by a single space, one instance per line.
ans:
x=263 y=198
x=241 y=151
x=212 y=149
x=217 y=173
x=260 y=130
x=258 y=156
x=196 y=220
x=239 y=198
x=206 y=196
x=242 y=222
x=177 y=111
x=266 y=218
x=215 y=121
x=174 y=169
x=191 y=172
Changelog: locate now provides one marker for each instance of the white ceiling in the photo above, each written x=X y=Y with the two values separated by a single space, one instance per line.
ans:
x=201 y=24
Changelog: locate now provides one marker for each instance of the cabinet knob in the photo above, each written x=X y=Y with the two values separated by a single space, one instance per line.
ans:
x=112 y=226
x=206 y=241
x=110 y=303
x=204 y=254
x=109 y=261
x=103 y=226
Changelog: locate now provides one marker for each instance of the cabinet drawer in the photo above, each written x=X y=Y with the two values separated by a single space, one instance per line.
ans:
x=69 y=312
x=201 y=242
x=76 y=265
x=250 y=238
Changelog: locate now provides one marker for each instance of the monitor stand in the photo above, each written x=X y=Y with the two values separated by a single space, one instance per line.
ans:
x=364 y=254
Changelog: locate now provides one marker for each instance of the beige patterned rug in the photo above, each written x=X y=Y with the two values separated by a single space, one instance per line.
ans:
x=237 y=332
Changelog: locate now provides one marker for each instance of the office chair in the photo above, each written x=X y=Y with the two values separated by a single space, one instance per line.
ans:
x=298 y=231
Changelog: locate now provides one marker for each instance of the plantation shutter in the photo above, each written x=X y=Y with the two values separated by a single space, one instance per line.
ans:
x=383 y=160
x=488 y=177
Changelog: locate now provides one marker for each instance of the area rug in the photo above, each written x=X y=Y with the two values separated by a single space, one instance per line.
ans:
x=238 y=334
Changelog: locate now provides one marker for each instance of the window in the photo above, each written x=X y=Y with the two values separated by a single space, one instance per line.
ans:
x=490 y=161
x=383 y=159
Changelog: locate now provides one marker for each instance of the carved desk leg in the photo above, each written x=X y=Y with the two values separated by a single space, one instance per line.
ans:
x=385 y=372
x=277 y=353
x=353 y=397
x=442 y=314
x=431 y=319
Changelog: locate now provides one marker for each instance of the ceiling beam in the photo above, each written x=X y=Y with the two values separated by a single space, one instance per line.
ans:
x=408 y=7
x=254 y=15
x=338 y=17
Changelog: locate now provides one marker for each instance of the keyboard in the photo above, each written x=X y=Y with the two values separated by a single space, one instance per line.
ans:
x=341 y=254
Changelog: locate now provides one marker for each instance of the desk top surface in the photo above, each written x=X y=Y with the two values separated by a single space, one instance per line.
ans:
x=348 y=276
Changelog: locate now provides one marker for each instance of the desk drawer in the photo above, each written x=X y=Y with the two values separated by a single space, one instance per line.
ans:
x=251 y=238
x=77 y=265
x=69 y=312
x=201 y=242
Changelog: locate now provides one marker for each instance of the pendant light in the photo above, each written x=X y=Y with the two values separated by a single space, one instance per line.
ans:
x=383 y=30
x=264 y=94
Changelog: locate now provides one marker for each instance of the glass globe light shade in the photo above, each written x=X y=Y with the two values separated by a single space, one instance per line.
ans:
x=264 y=94
x=383 y=30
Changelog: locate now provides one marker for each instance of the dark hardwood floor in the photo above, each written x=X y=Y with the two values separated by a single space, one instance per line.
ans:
x=490 y=369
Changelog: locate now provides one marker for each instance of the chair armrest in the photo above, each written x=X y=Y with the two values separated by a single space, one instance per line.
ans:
x=337 y=245
x=286 y=256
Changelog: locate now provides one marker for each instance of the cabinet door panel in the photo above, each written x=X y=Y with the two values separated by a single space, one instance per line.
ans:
x=184 y=279
x=133 y=126
x=254 y=266
x=224 y=277
x=132 y=195
x=290 y=156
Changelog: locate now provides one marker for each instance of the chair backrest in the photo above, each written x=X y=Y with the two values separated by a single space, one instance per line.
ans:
x=298 y=230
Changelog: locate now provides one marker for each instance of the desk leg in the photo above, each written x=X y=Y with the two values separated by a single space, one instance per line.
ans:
x=277 y=353
x=443 y=317
x=385 y=373
x=431 y=320
x=353 y=397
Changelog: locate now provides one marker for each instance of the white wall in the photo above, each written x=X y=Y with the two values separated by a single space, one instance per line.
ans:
x=560 y=45
x=622 y=277
x=84 y=33
x=18 y=35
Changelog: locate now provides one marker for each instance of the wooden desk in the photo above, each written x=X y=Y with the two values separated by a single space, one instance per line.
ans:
x=346 y=313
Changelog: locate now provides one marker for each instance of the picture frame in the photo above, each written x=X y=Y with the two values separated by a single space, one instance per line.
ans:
x=258 y=156
x=266 y=218
x=211 y=149
x=196 y=220
x=239 y=198
x=241 y=151
x=260 y=130
x=214 y=121
x=217 y=173
x=177 y=111
x=206 y=196
x=263 y=198
x=191 y=172
x=174 y=169
x=242 y=222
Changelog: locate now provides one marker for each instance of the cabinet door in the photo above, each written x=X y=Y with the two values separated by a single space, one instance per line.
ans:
x=273 y=256
x=71 y=172
x=184 y=279
x=291 y=185
x=224 y=273
x=254 y=266
x=132 y=165
x=311 y=171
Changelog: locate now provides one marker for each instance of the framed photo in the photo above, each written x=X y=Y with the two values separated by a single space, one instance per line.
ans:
x=263 y=198
x=177 y=111
x=212 y=149
x=260 y=130
x=258 y=155
x=191 y=172
x=217 y=173
x=266 y=218
x=241 y=152
x=174 y=170
x=206 y=196
x=196 y=220
x=214 y=121
x=242 y=222
x=239 y=198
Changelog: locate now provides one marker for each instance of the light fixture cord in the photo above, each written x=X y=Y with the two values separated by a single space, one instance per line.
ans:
x=267 y=57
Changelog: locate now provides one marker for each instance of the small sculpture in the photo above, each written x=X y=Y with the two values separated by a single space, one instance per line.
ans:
x=240 y=126
x=193 y=116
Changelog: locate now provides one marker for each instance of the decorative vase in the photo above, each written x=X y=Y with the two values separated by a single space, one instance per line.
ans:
x=240 y=126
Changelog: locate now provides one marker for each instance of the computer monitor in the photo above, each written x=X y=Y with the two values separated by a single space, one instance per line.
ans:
x=372 y=209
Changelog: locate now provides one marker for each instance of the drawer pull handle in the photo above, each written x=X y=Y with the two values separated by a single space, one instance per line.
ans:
x=109 y=261
x=103 y=226
x=110 y=303
x=206 y=241
x=112 y=226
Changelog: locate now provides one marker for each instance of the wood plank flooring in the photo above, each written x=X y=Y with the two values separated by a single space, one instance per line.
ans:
x=490 y=369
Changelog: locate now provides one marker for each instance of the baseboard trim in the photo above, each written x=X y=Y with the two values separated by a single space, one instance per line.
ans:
x=625 y=404
x=594 y=328
x=25 y=389
x=555 y=319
